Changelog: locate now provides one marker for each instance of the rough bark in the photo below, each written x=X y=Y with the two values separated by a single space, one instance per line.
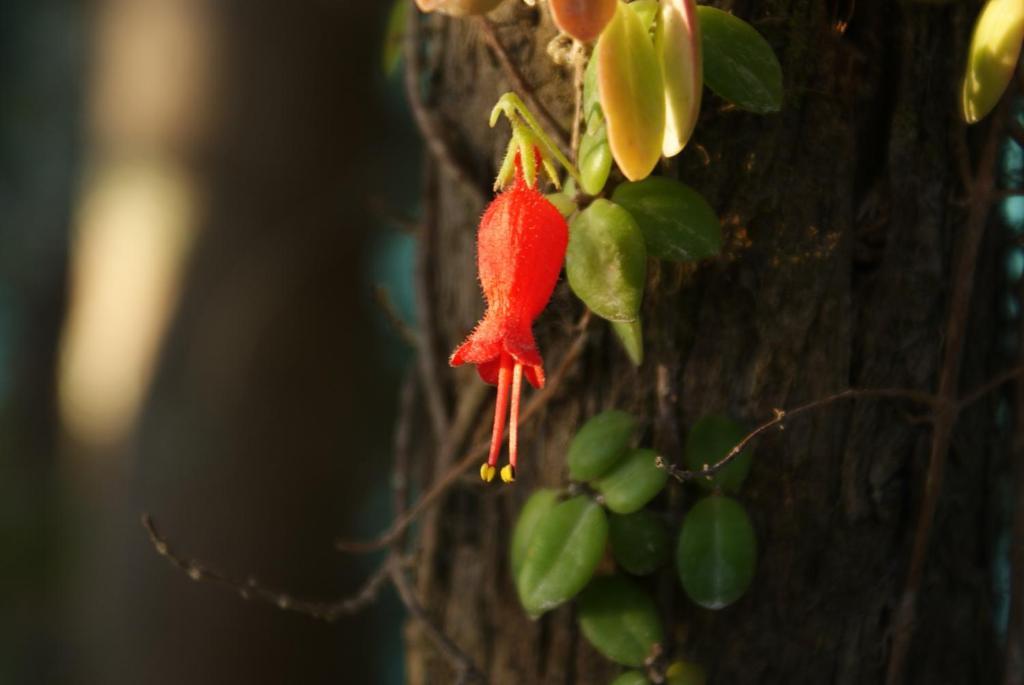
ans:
x=839 y=215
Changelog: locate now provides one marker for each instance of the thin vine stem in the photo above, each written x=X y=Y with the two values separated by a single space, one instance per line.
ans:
x=782 y=415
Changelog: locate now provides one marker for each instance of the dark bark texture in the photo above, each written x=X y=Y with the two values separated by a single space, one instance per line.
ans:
x=840 y=216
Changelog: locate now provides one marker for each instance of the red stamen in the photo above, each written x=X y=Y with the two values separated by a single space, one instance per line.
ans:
x=500 y=410
x=513 y=425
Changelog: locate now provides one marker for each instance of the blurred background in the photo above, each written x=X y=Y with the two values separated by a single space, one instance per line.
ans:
x=198 y=201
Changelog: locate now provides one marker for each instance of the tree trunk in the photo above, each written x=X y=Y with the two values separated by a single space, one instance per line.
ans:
x=840 y=216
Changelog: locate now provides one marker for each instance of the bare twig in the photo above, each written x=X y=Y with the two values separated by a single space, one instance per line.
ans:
x=401 y=469
x=946 y=412
x=398 y=324
x=427 y=354
x=781 y=416
x=579 y=67
x=962 y=156
x=519 y=82
x=466 y=670
x=1017 y=132
x=668 y=440
x=381 y=207
x=434 y=133
x=251 y=589
x=464 y=667
x=987 y=387
x=472 y=456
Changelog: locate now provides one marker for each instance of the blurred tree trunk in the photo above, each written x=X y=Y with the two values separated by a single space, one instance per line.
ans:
x=271 y=393
x=840 y=216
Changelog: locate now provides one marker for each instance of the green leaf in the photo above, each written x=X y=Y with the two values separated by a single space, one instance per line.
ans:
x=717 y=552
x=677 y=223
x=739 y=64
x=606 y=261
x=620 y=620
x=631 y=335
x=539 y=503
x=569 y=187
x=710 y=439
x=391 y=54
x=640 y=542
x=600 y=444
x=992 y=59
x=685 y=673
x=678 y=44
x=564 y=550
x=584 y=21
x=595 y=156
x=591 y=95
x=563 y=202
x=632 y=483
x=595 y=160
x=631 y=678
x=631 y=89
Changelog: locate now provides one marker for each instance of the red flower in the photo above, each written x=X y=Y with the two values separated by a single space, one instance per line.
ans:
x=520 y=249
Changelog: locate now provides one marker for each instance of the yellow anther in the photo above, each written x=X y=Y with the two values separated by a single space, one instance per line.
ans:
x=487 y=472
x=508 y=473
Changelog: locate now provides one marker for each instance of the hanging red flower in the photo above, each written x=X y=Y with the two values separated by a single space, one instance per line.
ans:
x=520 y=249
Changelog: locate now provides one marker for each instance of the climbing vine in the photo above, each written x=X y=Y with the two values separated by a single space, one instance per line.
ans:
x=600 y=538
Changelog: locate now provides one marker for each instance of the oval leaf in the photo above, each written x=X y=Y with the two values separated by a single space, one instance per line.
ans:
x=591 y=96
x=639 y=541
x=606 y=261
x=678 y=44
x=582 y=19
x=632 y=483
x=595 y=156
x=709 y=440
x=992 y=59
x=717 y=552
x=600 y=444
x=565 y=548
x=685 y=673
x=536 y=507
x=631 y=91
x=678 y=224
x=620 y=620
x=739 y=64
x=631 y=335
x=595 y=160
x=631 y=678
